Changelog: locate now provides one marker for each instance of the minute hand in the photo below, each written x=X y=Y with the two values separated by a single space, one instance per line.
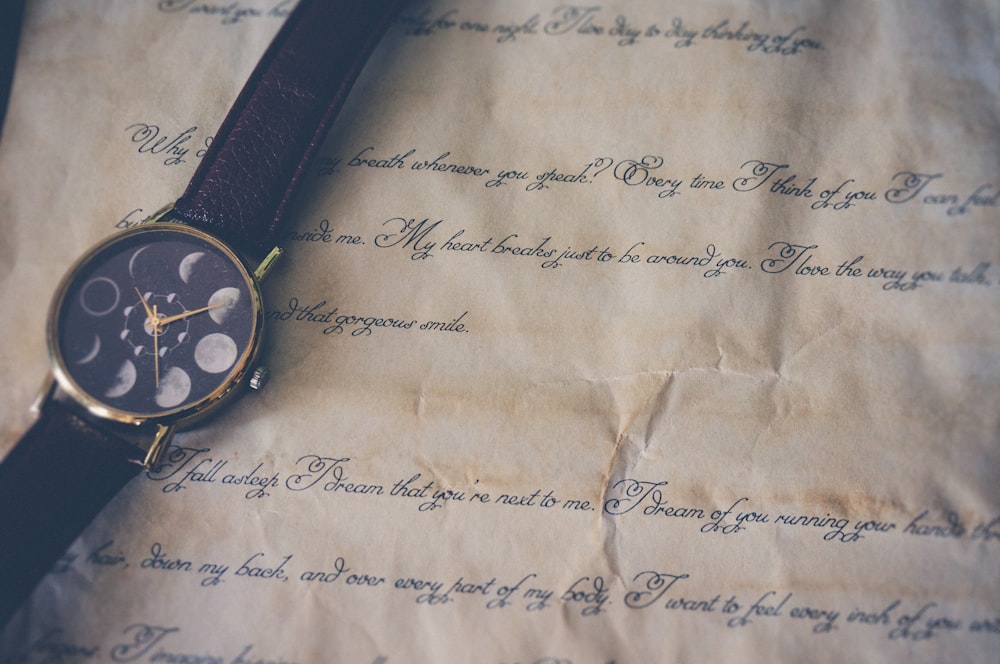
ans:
x=180 y=316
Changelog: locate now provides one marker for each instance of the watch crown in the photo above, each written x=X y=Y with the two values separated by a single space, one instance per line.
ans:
x=259 y=378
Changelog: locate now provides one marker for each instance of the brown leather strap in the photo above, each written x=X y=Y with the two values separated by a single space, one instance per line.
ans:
x=245 y=182
x=10 y=33
x=52 y=484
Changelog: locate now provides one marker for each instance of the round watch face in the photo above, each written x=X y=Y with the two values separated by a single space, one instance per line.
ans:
x=158 y=321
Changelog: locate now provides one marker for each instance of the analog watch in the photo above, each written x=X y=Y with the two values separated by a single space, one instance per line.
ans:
x=159 y=325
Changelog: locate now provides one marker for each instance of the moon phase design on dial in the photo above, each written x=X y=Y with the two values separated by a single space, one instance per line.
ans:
x=123 y=382
x=92 y=353
x=186 y=268
x=99 y=296
x=207 y=323
x=138 y=329
x=174 y=388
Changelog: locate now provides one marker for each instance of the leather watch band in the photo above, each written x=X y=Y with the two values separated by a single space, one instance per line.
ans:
x=65 y=468
x=10 y=32
x=245 y=181
x=52 y=484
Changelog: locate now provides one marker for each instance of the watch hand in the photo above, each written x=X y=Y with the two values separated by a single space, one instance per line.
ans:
x=156 y=347
x=180 y=316
x=154 y=324
x=149 y=312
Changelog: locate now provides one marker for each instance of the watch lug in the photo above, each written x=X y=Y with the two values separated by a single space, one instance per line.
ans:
x=161 y=440
x=269 y=261
x=161 y=213
x=45 y=393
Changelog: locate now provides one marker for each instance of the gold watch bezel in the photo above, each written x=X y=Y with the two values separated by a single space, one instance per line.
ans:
x=175 y=417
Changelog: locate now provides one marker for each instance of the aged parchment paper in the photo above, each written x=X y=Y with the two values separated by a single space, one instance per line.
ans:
x=614 y=332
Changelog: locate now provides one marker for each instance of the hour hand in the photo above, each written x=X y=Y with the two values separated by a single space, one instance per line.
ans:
x=185 y=314
x=149 y=312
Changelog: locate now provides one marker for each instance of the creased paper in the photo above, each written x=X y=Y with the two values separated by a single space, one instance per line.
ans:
x=621 y=332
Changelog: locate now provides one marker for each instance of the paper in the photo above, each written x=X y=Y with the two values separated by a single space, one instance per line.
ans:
x=616 y=332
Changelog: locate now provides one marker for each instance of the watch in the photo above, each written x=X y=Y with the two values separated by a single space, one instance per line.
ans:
x=160 y=325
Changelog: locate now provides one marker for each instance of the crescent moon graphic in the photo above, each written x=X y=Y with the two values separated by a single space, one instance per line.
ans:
x=92 y=353
x=187 y=265
x=131 y=261
x=175 y=385
x=224 y=300
x=124 y=381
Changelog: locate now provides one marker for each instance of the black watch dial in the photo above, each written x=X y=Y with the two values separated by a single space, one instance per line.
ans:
x=159 y=320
